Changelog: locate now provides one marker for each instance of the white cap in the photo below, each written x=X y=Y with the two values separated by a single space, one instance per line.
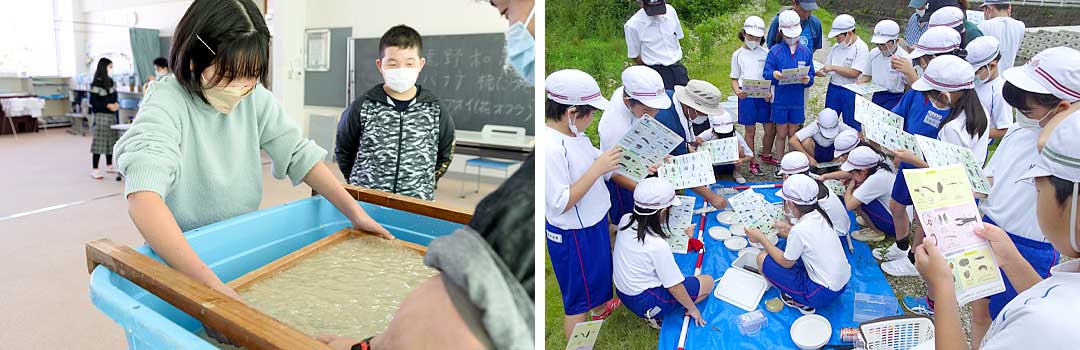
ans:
x=936 y=40
x=994 y=2
x=700 y=95
x=982 y=51
x=1054 y=71
x=861 y=157
x=842 y=24
x=885 y=31
x=946 y=73
x=790 y=24
x=846 y=141
x=722 y=123
x=1060 y=157
x=755 y=26
x=800 y=189
x=655 y=193
x=948 y=17
x=828 y=123
x=575 y=88
x=645 y=84
x=794 y=163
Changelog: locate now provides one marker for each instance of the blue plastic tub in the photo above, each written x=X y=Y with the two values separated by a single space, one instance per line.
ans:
x=232 y=248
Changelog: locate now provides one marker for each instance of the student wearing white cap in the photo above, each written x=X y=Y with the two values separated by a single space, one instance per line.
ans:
x=641 y=96
x=936 y=41
x=652 y=39
x=868 y=189
x=697 y=100
x=955 y=18
x=880 y=68
x=984 y=56
x=845 y=142
x=796 y=163
x=789 y=101
x=1000 y=24
x=577 y=202
x=747 y=63
x=817 y=139
x=923 y=112
x=722 y=127
x=1044 y=315
x=1046 y=88
x=647 y=279
x=812 y=270
x=810 y=33
x=843 y=66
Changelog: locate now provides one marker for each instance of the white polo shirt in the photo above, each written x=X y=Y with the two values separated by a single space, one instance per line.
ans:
x=1011 y=203
x=615 y=122
x=877 y=187
x=1046 y=316
x=654 y=38
x=748 y=64
x=953 y=132
x=998 y=113
x=879 y=68
x=639 y=266
x=709 y=135
x=855 y=56
x=813 y=240
x=1009 y=33
x=813 y=130
x=838 y=213
x=567 y=159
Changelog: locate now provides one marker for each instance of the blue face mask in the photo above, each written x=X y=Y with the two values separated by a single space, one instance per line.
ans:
x=519 y=48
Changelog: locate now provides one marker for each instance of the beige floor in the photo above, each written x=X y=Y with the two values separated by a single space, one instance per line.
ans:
x=44 y=301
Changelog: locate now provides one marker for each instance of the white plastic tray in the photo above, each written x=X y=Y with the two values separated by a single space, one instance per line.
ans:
x=719 y=233
x=738 y=230
x=727 y=217
x=741 y=288
x=735 y=243
x=811 y=331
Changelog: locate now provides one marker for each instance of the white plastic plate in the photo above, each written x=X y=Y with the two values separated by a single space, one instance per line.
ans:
x=719 y=233
x=735 y=243
x=726 y=217
x=738 y=230
x=811 y=332
x=741 y=288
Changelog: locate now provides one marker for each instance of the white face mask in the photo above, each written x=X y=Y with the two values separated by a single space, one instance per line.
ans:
x=1033 y=124
x=701 y=119
x=520 y=46
x=573 y=126
x=1072 y=217
x=224 y=99
x=919 y=70
x=401 y=79
x=889 y=52
x=751 y=44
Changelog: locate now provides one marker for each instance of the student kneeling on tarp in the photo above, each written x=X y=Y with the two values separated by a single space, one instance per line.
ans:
x=647 y=279
x=812 y=271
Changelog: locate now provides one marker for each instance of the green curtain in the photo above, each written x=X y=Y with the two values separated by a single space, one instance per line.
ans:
x=145 y=47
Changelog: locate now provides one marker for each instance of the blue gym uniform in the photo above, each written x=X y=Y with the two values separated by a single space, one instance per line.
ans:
x=571 y=251
x=622 y=200
x=754 y=111
x=887 y=100
x=796 y=283
x=824 y=154
x=659 y=298
x=842 y=101
x=914 y=107
x=789 y=102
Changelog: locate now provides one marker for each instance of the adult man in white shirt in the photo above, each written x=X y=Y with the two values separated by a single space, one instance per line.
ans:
x=1008 y=31
x=652 y=39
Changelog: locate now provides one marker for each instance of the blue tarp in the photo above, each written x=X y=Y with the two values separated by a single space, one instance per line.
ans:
x=722 y=332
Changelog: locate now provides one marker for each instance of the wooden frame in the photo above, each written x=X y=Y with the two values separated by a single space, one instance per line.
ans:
x=242 y=324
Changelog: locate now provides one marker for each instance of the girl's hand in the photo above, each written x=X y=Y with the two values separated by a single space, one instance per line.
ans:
x=1004 y=250
x=699 y=140
x=740 y=93
x=902 y=65
x=776 y=74
x=696 y=315
x=755 y=235
x=367 y=224
x=768 y=98
x=805 y=80
x=607 y=161
x=690 y=231
x=933 y=267
x=783 y=228
x=903 y=155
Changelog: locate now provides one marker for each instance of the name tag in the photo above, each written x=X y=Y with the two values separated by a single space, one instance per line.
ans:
x=554 y=237
x=933 y=119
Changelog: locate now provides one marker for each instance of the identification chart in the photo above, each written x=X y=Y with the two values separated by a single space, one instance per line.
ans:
x=679 y=219
x=867 y=110
x=756 y=212
x=722 y=151
x=792 y=76
x=939 y=153
x=756 y=88
x=688 y=170
x=645 y=144
x=950 y=217
x=864 y=88
x=890 y=137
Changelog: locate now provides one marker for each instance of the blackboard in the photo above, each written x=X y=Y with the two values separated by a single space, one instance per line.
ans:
x=468 y=75
x=328 y=88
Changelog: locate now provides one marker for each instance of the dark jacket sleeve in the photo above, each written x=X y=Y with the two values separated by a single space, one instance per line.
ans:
x=446 y=142
x=349 y=132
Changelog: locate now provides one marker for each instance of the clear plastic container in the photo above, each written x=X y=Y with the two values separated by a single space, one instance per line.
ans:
x=751 y=323
x=872 y=306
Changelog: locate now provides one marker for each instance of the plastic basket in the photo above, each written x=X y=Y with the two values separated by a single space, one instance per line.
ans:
x=897 y=332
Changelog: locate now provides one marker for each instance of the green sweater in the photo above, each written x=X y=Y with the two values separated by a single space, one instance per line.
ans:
x=205 y=164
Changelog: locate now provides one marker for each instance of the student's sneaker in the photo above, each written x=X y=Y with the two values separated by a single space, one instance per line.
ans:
x=868 y=235
x=654 y=323
x=859 y=220
x=890 y=254
x=111 y=169
x=755 y=169
x=918 y=305
x=96 y=174
x=739 y=179
x=609 y=307
x=900 y=268
x=789 y=301
x=779 y=174
x=768 y=159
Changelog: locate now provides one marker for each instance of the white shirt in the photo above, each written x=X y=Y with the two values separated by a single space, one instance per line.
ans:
x=1046 y=316
x=855 y=56
x=748 y=64
x=876 y=187
x=1009 y=33
x=639 y=266
x=615 y=122
x=813 y=130
x=813 y=240
x=1011 y=202
x=879 y=68
x=567 y=159
x=838 y=213
x=998 y=113
x=654 y=38
x=709 y=135
x=953 y=132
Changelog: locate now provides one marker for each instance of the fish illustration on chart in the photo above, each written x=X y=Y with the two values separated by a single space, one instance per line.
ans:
x=645 y=144
x=938 y=153
x=866 y=110
x=688 y=170
x=682 y=216
x=722 y=151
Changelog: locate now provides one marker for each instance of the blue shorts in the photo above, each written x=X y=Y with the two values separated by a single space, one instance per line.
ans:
x=900 y=193
x=622 y=201
x=726 y=169
x=581 y=260
x=788 y=116
x=754 y=111
x=1042 y=257
x=656 y=302
x=823 y=154
x=795 y=282
x=887 y=100
x=842 y=101
x=880 y=216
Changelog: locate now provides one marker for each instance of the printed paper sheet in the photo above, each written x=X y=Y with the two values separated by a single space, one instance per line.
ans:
x=864 y=88
x=756 y=88
x=722 y=151
x=868 y=110
x=645 y=144
x=889 y=137
x=792 y=75
x=584 y=335
x=756 y=212
x=689 y=170
x=940 y=153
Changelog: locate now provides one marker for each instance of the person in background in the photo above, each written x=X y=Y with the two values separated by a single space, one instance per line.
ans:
x=789 y=103
x=652 y=39
x=882 y=67
x=810 y=27
x=103 y=101
x=955 y=18
x=817 y=140
x=935 y=42
x=398 y=137
x=161 y=68
x=1000 y=24
x=697 y=100
x=916 y=25
x=845 y=63
x=746 y=64
x=984 y=56
x=647 y=279
x=723 y=126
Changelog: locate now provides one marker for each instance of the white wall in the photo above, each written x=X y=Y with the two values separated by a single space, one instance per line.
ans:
x=97 y=19
x=286 y=22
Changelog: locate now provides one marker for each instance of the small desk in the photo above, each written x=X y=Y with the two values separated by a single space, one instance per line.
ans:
x=512 y=148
